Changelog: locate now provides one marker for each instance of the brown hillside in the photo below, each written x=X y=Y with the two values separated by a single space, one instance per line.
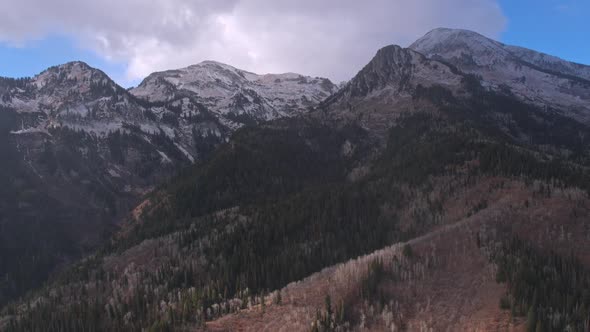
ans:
x=449 y=283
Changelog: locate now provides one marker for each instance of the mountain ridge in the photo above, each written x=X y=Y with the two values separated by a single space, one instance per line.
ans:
x=225 y=89
x=556 y=84
x=519 y=51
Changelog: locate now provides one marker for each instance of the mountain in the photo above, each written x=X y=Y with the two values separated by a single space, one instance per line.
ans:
x=384 y=89
x=534 y=77
x=203 y=102
x=232 y=93
x=77 y=159
x=420 y=196
x=82 y=150
x=397 y=80
x=476 y=182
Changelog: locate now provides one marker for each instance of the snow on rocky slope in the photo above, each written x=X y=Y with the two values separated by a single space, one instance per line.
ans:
x=448 y=63
x=534 y=77
x=73 y=95
x=232 y=93
x=77 y=131
x=196 y=107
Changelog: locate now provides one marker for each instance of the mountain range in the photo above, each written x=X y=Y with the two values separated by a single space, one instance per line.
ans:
x=82 y=150
x=445 y=187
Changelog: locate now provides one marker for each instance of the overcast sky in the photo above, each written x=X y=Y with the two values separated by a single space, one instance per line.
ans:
x=132 y=38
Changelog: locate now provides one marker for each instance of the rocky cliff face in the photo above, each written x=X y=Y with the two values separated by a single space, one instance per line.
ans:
x=386 y=88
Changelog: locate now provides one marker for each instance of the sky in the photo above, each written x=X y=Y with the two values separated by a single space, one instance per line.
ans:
x=129 y=39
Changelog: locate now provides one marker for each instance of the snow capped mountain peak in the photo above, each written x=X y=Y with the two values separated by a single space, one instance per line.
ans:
x=226 y=90
x=447 y=60
x=70 y=83
x=207 y=79
x=71 y=87
x=69 y=66
x=212 y=63
x=216 y=66
x=463 y=46
x=535 y=77
x=213 y=70
x=71 y=71
x=445 y=34
x=466 y=47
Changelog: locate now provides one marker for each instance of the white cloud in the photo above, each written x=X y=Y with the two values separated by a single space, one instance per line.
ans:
x=332 y=38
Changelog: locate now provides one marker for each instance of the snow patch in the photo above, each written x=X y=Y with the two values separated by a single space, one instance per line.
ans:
x=186 y=153
x=164 y=157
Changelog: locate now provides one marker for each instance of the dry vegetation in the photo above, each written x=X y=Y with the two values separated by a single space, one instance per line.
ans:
x=448 y=283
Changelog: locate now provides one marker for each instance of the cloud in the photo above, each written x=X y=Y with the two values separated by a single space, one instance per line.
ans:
x=332 y=38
